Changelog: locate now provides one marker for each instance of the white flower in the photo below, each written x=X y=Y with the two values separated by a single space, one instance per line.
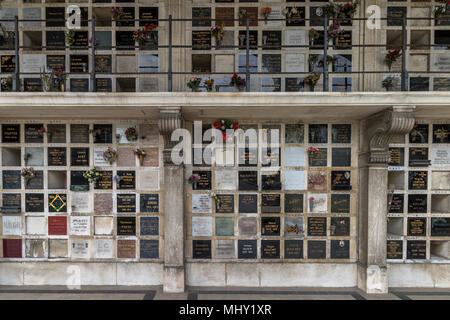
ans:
x=294 y=11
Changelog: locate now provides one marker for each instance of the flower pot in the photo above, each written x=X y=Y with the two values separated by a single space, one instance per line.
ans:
x=141 y=160
x=311 y=205
x=62 y=87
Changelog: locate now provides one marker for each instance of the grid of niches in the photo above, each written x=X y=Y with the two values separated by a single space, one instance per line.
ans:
x=274 y=220
x=295 y=58
x=419 y=200
x=58 y=215
x=113 y=40
x=424 y=36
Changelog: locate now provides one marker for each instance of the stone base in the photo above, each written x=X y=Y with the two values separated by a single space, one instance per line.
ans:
x=173 y=279
x=377 y=280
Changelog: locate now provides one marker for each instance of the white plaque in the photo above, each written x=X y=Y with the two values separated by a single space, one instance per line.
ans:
x=440 y=180
x=12 y=225
x=201 y=203
x=33 y=63
x=318 y=203
x=80 y=202
x=103 y=248
x=201 y=226
x=275 y=14
x=224 y=157
x=294 y=157
x=79 y=249
x=440 y=156
x=126 y=63
x=149 y=180
x=35 y=225
x=80 y=226
x=440 y=62
x=295 y=62
x=225 y=180
x=99 y=161
x=32 y=13
x=103 y=226
x=120 y=131
x=295 y=38
x=294 y=180
x=224 y=62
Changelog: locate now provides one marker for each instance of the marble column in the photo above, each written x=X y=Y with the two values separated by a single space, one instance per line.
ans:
x=378 y=132
x=174 y=277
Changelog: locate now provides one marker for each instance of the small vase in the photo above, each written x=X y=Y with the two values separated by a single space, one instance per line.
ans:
x=241 y=42
x=141 y=160
x=63 y=87
x=311 y=205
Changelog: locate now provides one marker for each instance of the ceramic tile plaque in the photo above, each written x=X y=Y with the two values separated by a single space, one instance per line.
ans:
x=318 y=203
x=201 y=226
x=99 y=161
x=201 y=203
x=294 y=180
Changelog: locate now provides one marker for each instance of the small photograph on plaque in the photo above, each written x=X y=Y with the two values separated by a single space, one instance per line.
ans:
x=417 y=180
x=270 y=203
x=127 y=179
x=340 y=203
x=317 y=226
x=149 y=203
x=247 y=249
x=417 y=227
x=317 y=180
x=10 y=133
x=248 y=203
x=225 y=203
x=419 y=134
x=418 y=157
x=102 y=133
x=417 y=203
x=271 y=181
x=204 y=182
x=396 y=157
x=340 y=249
x=394 y=249
x=317 y=249
x=293 y=203
x=270 y=249
x=11 y=179
x=340 y=226
x=34 y=133
x=126 y=226
x=126 y=203
x=149 y=226
x=318 y=133
x=319 y=160
x=440 y=227
x=201 y=249
x=441 y=133
x=248 y=180
x=395 y=205
x=149 y=249
x=293 y=227
x=341 y=157
x=416 y=249
x=293 y=249
x=57 y=202
x=340 y=180
x=79 y=157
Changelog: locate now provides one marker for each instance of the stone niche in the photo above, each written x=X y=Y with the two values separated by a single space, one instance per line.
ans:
x=126 y=85
x=102 y=17
x=11 y=157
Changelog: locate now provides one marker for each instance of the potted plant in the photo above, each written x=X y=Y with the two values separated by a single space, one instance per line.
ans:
x=209 y=84
x=131 y=134
x=92 y=175
x=266 y=13
x=388 y=83
x=141 y=154
x=194 y=83
x=110 y=155
x=391 y=57
x=146 y=33
x=238 y=82
x=217 y=33
x=311 y=80
x=312 y=60
x=28 y=174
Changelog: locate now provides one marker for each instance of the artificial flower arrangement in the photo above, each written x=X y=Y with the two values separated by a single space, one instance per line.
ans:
x=313 y=35
x=217 y=32
x=110 y=155
x=266 y=13
x=70 y=37
x=92 y=175
x=145 y=33
x=194 y=83
x=209 y=84
x=388 y=83
x=131 y=134
x=289 y=13
x=224 y=125
x=313 y=152
x=116 y=13
x=442 y=10
x=42 y=130
x=216 y=199
x=59 y=78
x=391 y=57
x=341 y=11
x=293 y=228
x=7 y=83
x=27 y=174
x=141 y=154
x=193 y=179
x=334 y=29
x=311 y=80
x=237 y=82
x=95 y=41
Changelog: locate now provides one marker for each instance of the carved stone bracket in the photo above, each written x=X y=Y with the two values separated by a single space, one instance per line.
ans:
x=169 y=119
x=396 y=121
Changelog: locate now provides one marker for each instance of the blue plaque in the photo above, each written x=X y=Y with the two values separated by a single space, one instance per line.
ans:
x=149 y=249
x=149 y=226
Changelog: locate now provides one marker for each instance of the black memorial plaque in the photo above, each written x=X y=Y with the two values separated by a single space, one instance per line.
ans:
x=201 y=17
x=340 y=203
x=149 y=226
x=201 y=40
x=297 y=19
x=103 y=63
x=57 y=156
x=127 y=180
x=396 y=203
x=204 y=182
x=316 y=16
x=317 y=226
x=32 y=84
x=321 y=160
x=271 y=63
x=341 y=157
x=394 y=249
x=394 y=15
x=317 y=249
x=248 y=203
x=441 y=133
x=34 y=202
x=417 y=203
x=248 y=157
x=127 y=18
x=440 y=227
x=79 y=157
x=103 y=85
x=416 y=249
x=419 y=83
x=10 y=133
x=318 y=133
x=56 y=133
x=225 y=203
x=148 y=15
x=55 y=16
x=105 y=182
x=79 y=133
x=248 y=180
x=201 y=249
x=79 y=63
x=149 y=202
x=341 y=133
x=126 y=203
x=418 y=157
x=343 y=41
x=102 y=133
x=419 y=134
x=340 y=226
x=124 y=40
x=340 y=249
x=149 y=249
x=79 y=85
x=126 y=226
x=247 y=249
x=11 y=203
x=271 y=181
x=417 y=227
x=293 y=203
x=340 y=180
x=396 y=157
x=80 y=39
x=270 y=249
x=417 y=180
x=294 y=84
x=270 y=203
x=8 y=63
x=270 y=226
x=55 y=40
x=11 y=179
x=293 y=249
x=253 y=39
x=37 y=182
x=57 y=202
x=78 y=182
x=271 y=40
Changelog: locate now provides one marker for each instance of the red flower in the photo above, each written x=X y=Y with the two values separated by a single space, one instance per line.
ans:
x=235 y=126
x=224 y=136
x=217 y=125
x=234 y=76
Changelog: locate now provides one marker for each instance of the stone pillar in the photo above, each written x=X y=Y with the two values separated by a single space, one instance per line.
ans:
x=379 y=131
x=174 y=279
